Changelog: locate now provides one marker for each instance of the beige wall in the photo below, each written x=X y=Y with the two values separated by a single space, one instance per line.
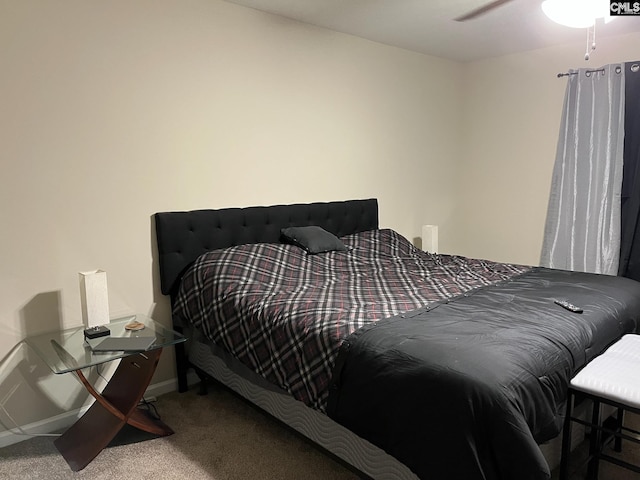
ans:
x=112 y=111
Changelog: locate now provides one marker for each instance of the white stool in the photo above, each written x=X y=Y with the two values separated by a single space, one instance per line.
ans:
x=612 y=378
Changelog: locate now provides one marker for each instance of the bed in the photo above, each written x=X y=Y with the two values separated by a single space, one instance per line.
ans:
x=402 y=363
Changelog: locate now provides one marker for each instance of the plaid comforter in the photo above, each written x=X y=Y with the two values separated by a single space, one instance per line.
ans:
x=284 y=313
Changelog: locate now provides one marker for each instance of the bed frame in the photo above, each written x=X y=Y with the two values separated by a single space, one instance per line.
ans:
x=183 y=236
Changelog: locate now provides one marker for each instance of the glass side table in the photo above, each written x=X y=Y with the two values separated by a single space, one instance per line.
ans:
x=67 y=351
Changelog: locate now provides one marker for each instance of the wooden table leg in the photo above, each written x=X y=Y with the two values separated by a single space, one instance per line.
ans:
x=113 y=408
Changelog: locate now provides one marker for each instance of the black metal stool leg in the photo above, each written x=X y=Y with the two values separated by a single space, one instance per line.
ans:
x=595 y=443
x=619 y=422
x=566 y=439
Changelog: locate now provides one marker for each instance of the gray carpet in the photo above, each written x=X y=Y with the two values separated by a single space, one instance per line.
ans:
x=218 y=436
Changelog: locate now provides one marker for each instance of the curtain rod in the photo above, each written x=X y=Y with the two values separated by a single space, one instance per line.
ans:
x=560 y=75
x=634 y=68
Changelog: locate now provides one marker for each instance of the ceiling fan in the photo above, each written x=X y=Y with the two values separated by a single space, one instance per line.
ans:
x=481 y=10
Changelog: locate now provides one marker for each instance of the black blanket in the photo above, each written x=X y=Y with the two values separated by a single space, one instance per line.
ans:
x=468 y=388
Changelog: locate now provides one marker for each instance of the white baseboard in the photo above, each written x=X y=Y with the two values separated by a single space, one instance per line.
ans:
x=63 y=421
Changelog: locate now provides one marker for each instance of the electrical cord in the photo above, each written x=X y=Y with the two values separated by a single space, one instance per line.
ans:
x=150 y=408
x=144 y=404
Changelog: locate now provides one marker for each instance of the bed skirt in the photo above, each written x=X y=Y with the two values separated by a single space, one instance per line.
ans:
x=317 y=427
x=314 y=425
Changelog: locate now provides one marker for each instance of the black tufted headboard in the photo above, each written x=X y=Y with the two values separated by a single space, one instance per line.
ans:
x=184 y=236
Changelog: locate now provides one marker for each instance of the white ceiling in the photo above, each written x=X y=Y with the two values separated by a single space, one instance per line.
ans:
x=428 y=26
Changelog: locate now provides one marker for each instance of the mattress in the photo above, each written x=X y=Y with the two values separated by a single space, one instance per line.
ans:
x=285 y=313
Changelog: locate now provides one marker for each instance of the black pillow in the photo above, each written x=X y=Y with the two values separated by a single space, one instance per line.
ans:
x=313 y=239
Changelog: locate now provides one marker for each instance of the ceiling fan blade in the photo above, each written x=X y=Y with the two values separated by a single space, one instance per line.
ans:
x=481 y=10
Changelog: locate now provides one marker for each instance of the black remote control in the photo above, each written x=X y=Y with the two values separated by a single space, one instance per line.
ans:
x=569 y=306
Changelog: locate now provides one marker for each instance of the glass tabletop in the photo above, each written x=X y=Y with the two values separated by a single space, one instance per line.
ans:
x=67 y=350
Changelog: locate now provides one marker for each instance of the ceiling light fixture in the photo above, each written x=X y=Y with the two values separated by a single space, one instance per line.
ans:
x=576 y=13
x=579 y=14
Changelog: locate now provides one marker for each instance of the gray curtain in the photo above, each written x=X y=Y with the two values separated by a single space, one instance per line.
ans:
x=582 y=230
